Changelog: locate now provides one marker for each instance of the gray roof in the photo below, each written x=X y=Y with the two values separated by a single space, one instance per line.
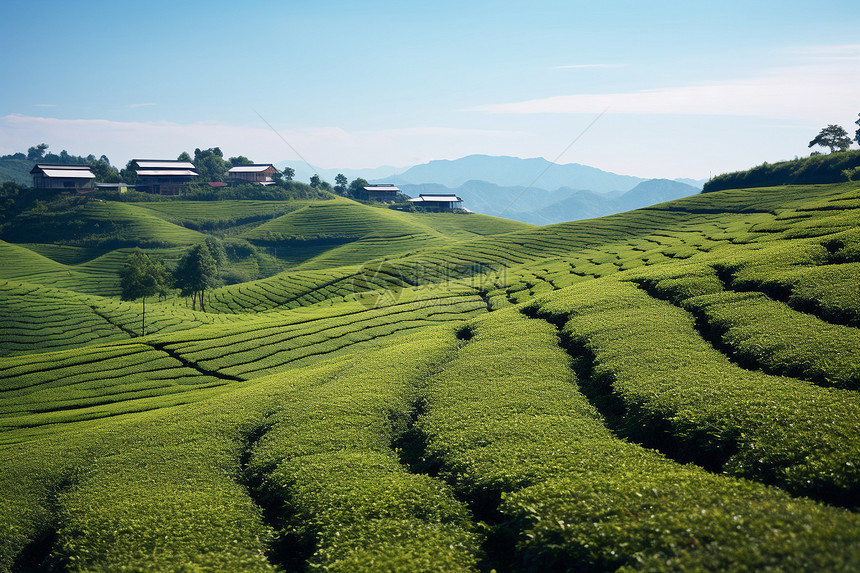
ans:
x=64 y=171
x=162 y=164
x=381 y=188
x=255 y=168
x=69 y=173
x=54 y=166
x=430 y=198
x=165 y=172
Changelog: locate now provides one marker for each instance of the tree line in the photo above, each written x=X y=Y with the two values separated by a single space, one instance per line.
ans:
x=210 y=164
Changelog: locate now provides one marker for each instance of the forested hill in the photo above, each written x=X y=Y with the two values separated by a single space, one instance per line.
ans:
x=816 y=169
x=16 y=166
x=16 y=169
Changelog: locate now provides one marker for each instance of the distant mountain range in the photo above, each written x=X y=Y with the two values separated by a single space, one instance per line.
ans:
x=530 y=190
x=512 y=171
x=542 y=207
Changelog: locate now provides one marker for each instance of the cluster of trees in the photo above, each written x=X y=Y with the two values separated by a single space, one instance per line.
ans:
x=835 y=138
x=354 y=190
x=342 y=186
x=101 y=166
x=818 y=168
x=857 y=133
x=143 y=276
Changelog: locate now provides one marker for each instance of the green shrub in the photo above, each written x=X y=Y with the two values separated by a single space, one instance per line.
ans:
x=682 y=395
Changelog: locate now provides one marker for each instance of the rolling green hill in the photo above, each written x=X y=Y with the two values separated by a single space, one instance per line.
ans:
x=342 y=232
x=672 y=388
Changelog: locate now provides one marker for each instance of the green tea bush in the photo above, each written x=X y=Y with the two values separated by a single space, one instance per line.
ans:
x=763 y=333
x=829 y=291
x=160 y=491
x=682 y=395
x=329 y=460
x=505 y=424
x=675 y=519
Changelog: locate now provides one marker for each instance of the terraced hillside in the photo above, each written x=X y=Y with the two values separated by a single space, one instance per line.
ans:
x=673 y=388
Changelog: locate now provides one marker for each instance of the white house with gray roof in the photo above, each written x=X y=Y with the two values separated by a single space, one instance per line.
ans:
x=437 y=201
x=258 y=173
x=163 y=176
x=63 y=177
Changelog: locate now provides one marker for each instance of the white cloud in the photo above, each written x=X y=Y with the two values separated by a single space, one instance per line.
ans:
x=822 y=89
x=847 y=51
x=137 y=105
x=323 y=147
x=124 y=140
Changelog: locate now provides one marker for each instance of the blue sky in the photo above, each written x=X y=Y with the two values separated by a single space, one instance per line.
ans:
x=686 y=89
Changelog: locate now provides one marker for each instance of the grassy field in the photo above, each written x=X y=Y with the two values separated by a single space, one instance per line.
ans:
x=669 y=389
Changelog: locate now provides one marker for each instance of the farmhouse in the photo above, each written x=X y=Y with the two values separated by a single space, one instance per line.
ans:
x=261 y=174
x=67 y=177
x=437 y=202
x=163 y=176
x=382 y=192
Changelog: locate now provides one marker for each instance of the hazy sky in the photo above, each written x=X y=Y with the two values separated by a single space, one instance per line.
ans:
x=688 y=89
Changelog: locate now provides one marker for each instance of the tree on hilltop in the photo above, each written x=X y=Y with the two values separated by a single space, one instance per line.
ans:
x=240 y=160
x=197 y=271
x=37 y=152
x=857 y=133
x=281 y=177
x=833 y=137
x=318 y=183
x=128 y=173
x=140 y=277
x=340 y=183
x=356 y=188
x=210 y=164
x=103 y=170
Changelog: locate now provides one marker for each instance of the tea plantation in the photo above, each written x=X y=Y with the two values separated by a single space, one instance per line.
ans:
x=669 y=389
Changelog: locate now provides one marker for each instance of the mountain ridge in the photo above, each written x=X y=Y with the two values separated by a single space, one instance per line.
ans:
x=501 y=170
x=542 y=207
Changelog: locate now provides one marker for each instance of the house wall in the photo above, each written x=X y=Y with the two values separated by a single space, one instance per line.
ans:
x=251 y=177
x=259 y=177
x=163 y=185
x=42 y=182
x=382 y=195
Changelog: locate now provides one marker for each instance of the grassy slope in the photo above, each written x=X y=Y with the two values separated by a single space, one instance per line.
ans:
x=355 y=233
x=681 y=323
x=208 y=214
x=309 y=235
